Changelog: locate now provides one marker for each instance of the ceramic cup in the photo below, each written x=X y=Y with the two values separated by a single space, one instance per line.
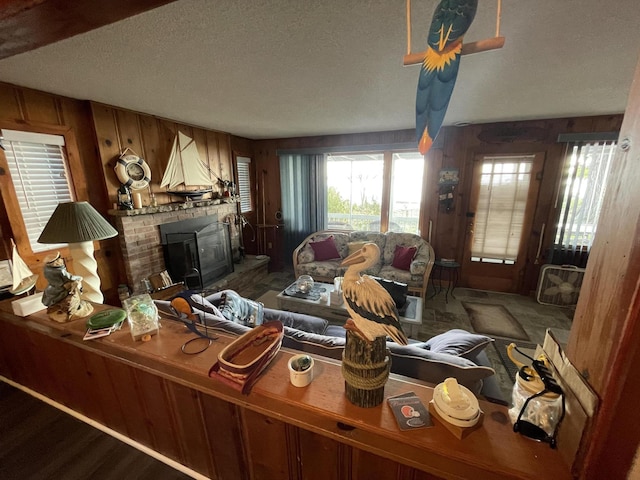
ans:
x=300 y=370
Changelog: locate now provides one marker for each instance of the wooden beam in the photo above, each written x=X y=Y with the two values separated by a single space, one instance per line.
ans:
x=25 y=26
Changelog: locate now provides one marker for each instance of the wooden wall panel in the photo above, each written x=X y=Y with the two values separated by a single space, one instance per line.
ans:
x=158 y=413
x=195 y=446
x=122 y=378
x=319 y=457
x=38 y=111
x=152 y=138
x=267 y=447
x=455 y=147
x=222 y=424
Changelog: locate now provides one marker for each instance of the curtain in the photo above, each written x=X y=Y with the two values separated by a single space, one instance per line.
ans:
x=304 y=197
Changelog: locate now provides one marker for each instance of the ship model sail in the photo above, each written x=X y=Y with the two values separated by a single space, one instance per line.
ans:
x=23 y=278
x=186 y=169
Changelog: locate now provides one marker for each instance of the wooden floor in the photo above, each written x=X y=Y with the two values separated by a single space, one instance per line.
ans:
x=38 y=441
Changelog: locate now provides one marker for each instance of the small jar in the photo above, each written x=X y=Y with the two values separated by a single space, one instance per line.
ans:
x=123 y=292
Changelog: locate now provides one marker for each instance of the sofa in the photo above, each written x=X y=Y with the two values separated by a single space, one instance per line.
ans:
x=456 y=353
x=404 y=257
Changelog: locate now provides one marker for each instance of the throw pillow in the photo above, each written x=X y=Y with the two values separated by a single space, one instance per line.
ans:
x=325 y=249
x=397 y=290
x=355 y=246
x=241 y=310
x=403 y=256
x=458 y=342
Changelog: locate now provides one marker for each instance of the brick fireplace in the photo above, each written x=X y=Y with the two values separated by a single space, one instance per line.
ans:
x=139 y=229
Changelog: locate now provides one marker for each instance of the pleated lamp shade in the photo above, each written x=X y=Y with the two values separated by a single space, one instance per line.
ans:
x=79 y=224
x=74 y=222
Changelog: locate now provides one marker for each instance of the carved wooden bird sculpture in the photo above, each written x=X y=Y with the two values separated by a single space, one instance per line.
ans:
x=372 y=311
x=439 y=71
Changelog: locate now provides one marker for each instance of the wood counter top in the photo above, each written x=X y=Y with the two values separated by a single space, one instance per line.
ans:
x=492 y=451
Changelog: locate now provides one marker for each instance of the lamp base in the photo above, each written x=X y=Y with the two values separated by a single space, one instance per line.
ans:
x=85 y=265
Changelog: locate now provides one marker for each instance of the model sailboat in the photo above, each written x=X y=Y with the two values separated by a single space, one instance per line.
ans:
x=23 y=278
x=185 y=168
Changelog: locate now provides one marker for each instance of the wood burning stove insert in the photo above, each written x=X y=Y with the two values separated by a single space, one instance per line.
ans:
x=197 y=250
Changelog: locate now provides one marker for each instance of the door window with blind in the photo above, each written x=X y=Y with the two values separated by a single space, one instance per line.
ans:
x=40 y=176
x=500 y=210
x=587 y=166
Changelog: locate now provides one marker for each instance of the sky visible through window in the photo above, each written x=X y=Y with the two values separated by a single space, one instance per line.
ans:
x=358 y=181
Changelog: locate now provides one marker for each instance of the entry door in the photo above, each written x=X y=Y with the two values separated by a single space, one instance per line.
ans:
x=500 y=217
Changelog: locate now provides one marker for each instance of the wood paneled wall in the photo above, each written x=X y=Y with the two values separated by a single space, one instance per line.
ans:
x=102 y=133
x=210 y=435
x=39 y=111
x=152 y=138
x=455 y=147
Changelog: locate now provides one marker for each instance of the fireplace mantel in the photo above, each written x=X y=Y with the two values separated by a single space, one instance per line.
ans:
x=172 y=207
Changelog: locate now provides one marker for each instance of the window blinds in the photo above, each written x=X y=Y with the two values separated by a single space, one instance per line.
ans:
x=40 y=178
x=244 y=184
x=586 y=170
x=499 y=216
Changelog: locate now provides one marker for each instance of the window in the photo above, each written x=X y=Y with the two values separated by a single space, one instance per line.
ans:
x=500 y=211
x=39 y=173
x=406 y=192
x=587 y=167
x=362 y=196
x=354 y=191
x=243 y=165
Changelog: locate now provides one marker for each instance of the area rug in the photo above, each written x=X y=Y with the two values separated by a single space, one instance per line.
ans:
x=527 y=348
x=269 y=299
x=494 y=320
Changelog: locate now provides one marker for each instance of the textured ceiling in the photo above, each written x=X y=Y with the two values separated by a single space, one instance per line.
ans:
x=273 y=69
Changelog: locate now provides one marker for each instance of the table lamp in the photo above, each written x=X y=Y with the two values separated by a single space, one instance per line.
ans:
x=79 y=224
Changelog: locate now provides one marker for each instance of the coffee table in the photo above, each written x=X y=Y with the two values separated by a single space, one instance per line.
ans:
x=412 y=319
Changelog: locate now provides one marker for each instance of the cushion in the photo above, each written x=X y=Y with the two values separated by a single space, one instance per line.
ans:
x=241 y=310
x=355 y=246
x=416 y=361
x=397 y=290
x=299 y=321
x=403 y=256
x=325 y=249
x=458 y=342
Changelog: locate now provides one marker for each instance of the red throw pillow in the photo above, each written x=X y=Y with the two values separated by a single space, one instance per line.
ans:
x=403 y=256
x=325 y=249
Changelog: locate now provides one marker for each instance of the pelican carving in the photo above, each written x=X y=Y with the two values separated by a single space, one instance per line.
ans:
x=372 y=311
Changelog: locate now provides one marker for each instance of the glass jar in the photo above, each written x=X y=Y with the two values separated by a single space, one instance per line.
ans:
x=304 y=283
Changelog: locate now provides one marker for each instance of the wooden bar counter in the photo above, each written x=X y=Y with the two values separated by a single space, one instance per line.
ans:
x=154 y=394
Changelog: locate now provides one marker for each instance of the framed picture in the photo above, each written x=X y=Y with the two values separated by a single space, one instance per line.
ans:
x=6 y=278
x=448 y=176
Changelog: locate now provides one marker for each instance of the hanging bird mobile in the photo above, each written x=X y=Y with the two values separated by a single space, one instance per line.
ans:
x=372 y=311
x=439 y=70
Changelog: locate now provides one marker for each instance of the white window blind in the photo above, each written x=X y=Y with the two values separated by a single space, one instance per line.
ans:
x=244 y=184
x=587 y=168
x=499 y=217
x=39 y=173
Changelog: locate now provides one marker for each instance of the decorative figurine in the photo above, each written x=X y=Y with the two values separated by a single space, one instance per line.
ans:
x=372 y=311
x=62 y=295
